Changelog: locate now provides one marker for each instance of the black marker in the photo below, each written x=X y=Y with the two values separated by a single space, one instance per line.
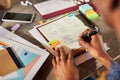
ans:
x=87 y=37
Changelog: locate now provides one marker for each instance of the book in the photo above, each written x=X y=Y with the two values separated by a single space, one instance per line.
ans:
x=31 y=56
x=53 y=8
x=8 y=61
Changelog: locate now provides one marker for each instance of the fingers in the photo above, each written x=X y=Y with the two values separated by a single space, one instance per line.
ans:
x=53 y=62
x=59 y=55
x=70 y=55
x=85 y=32
x=81 y=41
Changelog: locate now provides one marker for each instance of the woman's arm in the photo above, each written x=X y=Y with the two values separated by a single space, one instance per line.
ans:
x=96 y=49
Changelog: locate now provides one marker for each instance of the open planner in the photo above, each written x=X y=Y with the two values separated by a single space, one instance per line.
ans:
x=65 y=30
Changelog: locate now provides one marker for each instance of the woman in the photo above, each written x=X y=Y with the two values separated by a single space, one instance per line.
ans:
x=65 y=69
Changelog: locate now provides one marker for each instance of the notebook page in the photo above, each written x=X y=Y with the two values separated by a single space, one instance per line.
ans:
x=66 y=30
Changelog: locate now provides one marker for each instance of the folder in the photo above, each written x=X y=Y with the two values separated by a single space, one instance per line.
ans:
x=8 y=62
x=53 y=8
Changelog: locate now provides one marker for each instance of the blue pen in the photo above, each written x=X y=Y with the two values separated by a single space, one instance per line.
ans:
x=87 y=37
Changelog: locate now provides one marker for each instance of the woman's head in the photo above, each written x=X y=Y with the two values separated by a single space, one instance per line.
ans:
x=109 y=10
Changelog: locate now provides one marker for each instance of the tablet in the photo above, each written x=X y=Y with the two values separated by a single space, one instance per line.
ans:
x=18 y=17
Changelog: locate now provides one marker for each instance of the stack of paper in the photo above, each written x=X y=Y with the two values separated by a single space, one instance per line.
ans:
x=30 y=55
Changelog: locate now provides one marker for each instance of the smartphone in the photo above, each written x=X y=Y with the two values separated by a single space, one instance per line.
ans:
x=18 y=17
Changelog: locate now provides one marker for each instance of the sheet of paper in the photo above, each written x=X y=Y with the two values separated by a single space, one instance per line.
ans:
x=66 y=30
x=51 y=6
x=34 y=32
x=7 y=34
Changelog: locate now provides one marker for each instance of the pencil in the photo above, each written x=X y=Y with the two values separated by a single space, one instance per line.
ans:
x=4 y=43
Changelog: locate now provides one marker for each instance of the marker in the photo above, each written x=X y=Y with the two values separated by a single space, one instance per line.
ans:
x=15 y=27
x=87 y=37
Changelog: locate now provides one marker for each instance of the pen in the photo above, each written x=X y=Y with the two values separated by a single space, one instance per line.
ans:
x=87 y=37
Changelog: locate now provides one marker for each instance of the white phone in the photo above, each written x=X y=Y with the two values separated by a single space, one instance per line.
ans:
x=18 y=17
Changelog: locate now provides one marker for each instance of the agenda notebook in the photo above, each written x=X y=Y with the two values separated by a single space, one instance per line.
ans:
x=8 y=61
x=53 y=8
x=65 y=30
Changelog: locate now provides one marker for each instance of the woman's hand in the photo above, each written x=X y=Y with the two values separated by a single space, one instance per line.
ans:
x=64 y=68
x=96 y=48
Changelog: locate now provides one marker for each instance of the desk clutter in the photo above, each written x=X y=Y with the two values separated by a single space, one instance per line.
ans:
x=88 y=11
x=30 y=57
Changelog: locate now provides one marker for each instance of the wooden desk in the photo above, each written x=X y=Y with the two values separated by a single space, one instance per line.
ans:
x=86 y=68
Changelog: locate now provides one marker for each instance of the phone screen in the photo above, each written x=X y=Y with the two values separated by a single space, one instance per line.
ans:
x=18 y=16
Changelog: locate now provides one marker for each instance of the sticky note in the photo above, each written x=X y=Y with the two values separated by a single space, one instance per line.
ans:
x=85 y=7
x=48 y=20
x=91 y=14
x=26 y=57
x=54 y=43
x=90 y=11
x=41 y=22
x=72 y=14
x=65 y=14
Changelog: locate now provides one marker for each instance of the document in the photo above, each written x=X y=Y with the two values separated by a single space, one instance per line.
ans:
x=66 y=30
x=7 y=34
